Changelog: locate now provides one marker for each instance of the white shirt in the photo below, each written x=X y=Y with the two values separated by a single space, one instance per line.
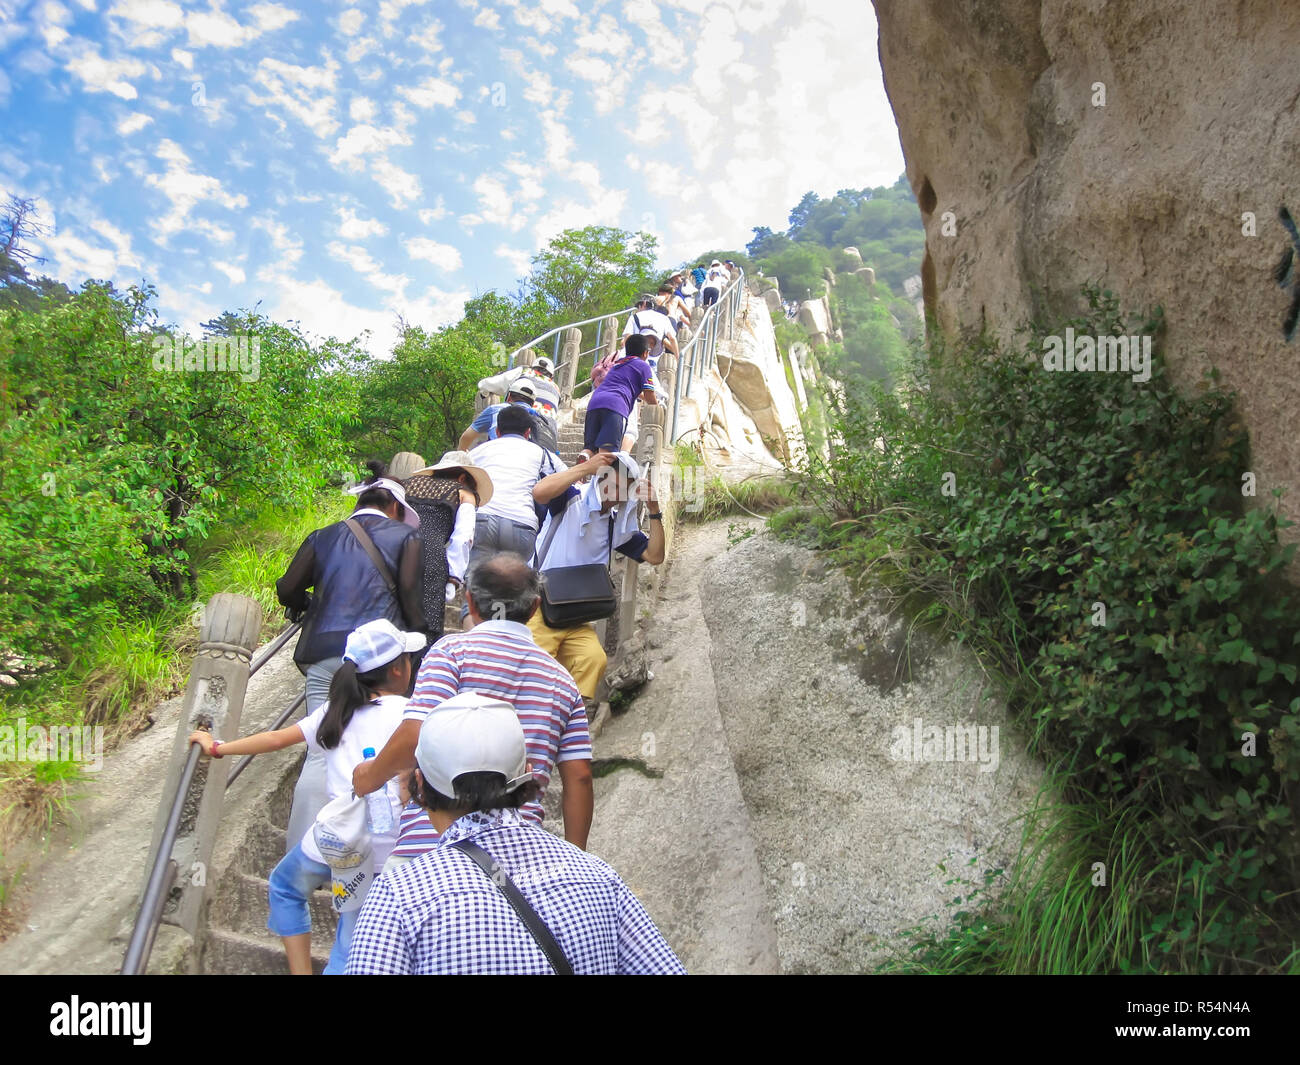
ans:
x=515 y=465
x=371 y=726
x=582 y=537
x=547 y=392
x=718 y=278
x=656 y=325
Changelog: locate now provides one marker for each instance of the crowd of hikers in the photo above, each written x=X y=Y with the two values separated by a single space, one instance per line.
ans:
x=428 y=753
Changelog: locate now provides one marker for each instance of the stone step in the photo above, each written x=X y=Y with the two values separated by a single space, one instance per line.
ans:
x=262 y=850
x=233 y=954
x=241 y=907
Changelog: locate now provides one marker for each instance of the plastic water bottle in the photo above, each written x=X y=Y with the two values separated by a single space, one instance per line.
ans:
x=380 y=811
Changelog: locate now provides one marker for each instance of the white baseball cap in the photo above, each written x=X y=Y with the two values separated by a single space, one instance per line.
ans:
x=409 y=516
x=472 y=733
x=378 y=642
x=545 y=364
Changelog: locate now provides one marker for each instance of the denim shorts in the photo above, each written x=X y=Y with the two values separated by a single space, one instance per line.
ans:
x=292 y=882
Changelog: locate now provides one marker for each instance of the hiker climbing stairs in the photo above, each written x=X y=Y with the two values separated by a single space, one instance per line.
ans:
x=238 y=941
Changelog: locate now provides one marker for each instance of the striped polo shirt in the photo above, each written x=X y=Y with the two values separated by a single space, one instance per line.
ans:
x=500 y=659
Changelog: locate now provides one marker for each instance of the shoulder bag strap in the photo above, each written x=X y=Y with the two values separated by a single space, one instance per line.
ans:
x=535 y=925
x=368 y=546
x=544 y=550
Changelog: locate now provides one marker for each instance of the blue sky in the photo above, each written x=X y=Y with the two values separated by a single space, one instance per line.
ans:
x=344 y=162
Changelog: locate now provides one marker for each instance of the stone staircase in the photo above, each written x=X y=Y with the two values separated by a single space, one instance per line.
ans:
x=571 y=436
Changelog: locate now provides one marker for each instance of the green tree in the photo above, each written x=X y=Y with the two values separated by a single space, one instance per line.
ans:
x=423 y=397
x=590 y=271
x=117 y=459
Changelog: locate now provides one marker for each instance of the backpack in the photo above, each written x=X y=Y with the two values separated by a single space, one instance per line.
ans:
x=602 y=368
x=544 y=432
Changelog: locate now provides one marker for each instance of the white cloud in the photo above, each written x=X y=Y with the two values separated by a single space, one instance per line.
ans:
x=354 y=149
x=520 y=261
x=488 y=19
x=217 y=29
x=590 y=68
x=426 y=38
x=272 y=17
x=353 y=228
x=185 y=59
x=98 y=74
x=232 y=271
x=288 y=247
x=362 y=109
x=431 y=92
x=306 y=93
x=186 y=187
x=402 y=186
x=361 y=261
x=103 y=172
x=571 y=214
x=351 y=21
x=74 y=258
x=149 y=14
x=358 y=50
x=133 y=123
x=436 y=213
x=443 y=256
x=324 y=311
x=391 y=10
x=495 y=203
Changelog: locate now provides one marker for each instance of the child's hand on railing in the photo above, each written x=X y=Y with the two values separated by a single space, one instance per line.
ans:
x=203 y=739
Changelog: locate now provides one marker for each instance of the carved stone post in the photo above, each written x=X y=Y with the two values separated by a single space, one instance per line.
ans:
x=403 y=464
x=609 y=336
x=667 y=373
x=214 y=698
x=566 y=372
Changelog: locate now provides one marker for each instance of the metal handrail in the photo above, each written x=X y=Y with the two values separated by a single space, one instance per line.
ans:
x=279 y=723
x=162 y=874
x=268 y=652
x=155 y=893
x=510 y=359
x=702 y=347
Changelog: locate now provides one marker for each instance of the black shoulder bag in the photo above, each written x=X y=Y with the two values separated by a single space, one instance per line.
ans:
x=535 y=925
x=575 y=595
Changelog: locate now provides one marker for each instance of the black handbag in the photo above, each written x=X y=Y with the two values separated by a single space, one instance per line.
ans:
x=575 y=595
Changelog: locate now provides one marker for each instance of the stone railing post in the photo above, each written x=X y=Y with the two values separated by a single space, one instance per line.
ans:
x=609 y=336
x=667 y=373
x=566 y=373
x=214 y=699
x=405 y=463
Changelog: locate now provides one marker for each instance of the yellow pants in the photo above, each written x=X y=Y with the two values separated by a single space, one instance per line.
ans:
x=577 y=649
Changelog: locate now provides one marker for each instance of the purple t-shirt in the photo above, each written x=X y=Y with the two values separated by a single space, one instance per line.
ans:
x=621 y=386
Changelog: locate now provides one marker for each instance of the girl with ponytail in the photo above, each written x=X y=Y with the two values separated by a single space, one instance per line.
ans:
x=366 y=701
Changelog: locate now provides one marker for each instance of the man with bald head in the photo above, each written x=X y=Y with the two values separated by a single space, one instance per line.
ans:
x=500 y=658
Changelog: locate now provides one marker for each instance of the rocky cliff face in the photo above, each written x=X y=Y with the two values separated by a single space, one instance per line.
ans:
x=1147 y=145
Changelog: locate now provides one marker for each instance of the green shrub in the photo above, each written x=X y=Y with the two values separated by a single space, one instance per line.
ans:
x=1023 y=503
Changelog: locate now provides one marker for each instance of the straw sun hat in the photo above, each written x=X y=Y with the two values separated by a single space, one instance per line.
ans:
x=455 y=462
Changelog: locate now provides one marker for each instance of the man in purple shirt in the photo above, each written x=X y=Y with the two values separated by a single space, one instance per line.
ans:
x=612 y=402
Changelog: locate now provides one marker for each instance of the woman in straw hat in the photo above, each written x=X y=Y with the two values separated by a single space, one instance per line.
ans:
x=446 y=497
